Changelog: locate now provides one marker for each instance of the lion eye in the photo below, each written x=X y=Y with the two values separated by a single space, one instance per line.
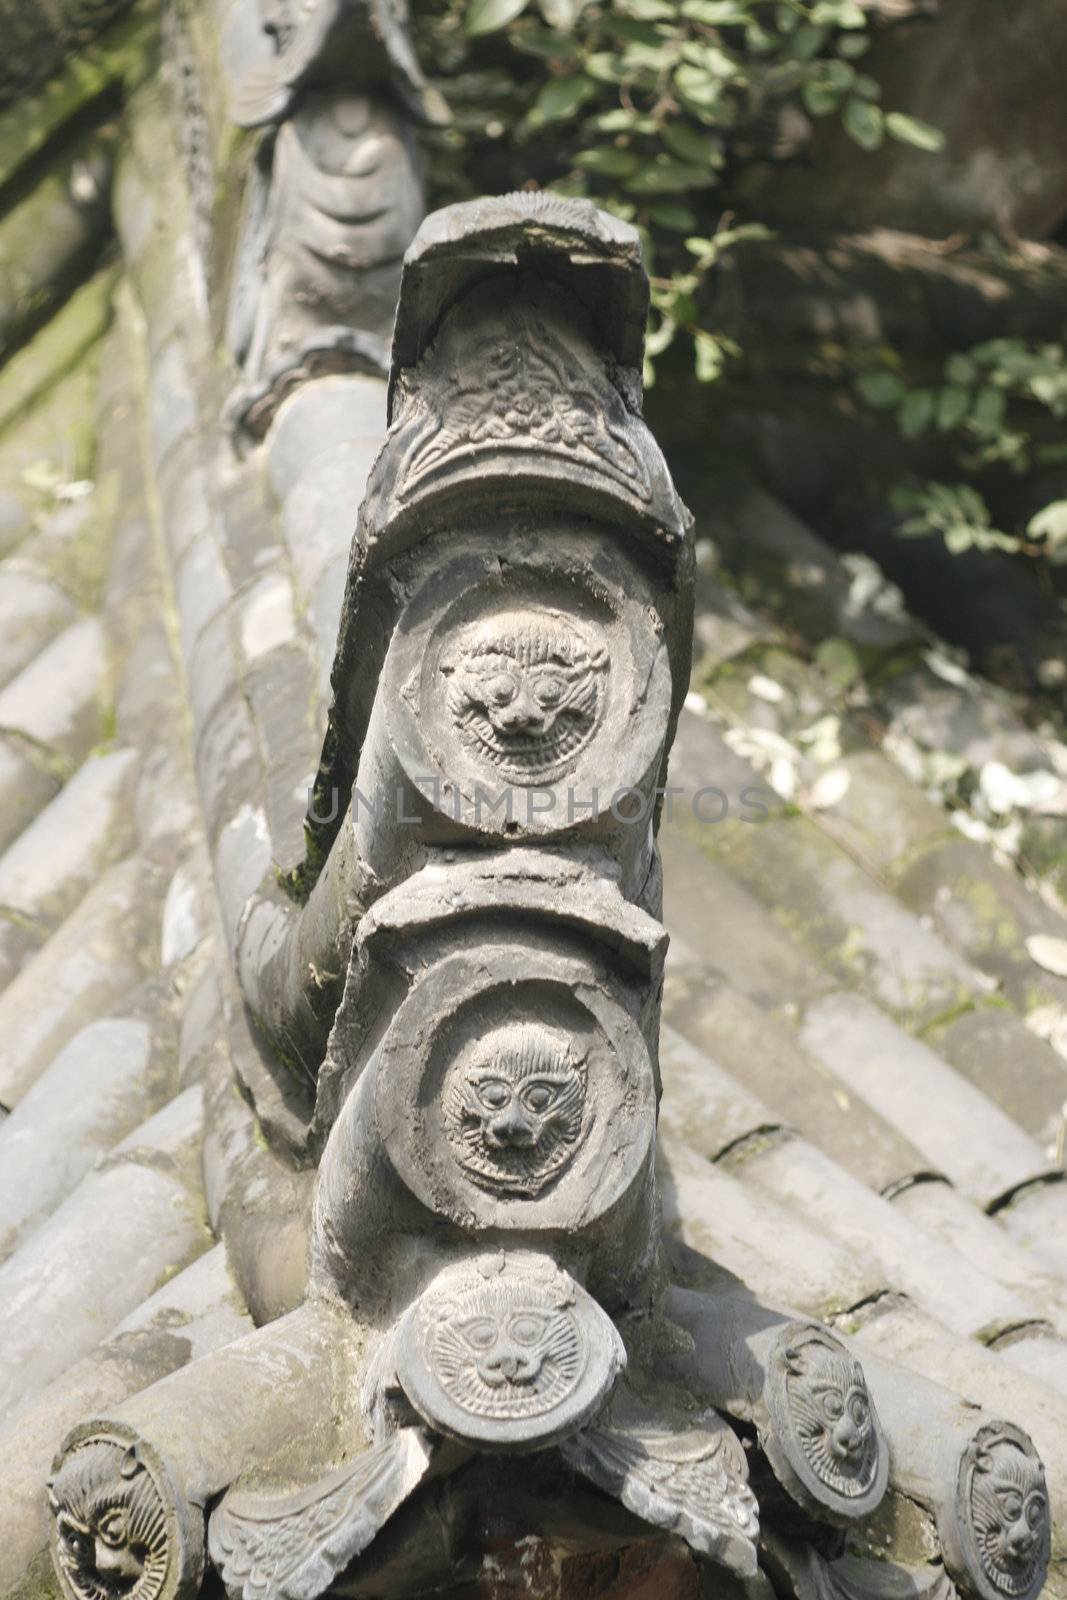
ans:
x=538 y=1096
x=833 y=1405
x=526 y=1329
x=859 y=1411
x=1035 y=1510
x=75 y=1540
x=494 y=1093
x=1012 y=1505
x=480 y=1333
x=501 y=690
x=548 y=690
x=112 y=1526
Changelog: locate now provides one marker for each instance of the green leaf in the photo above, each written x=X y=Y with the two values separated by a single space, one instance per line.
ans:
x=910 y=130
x=666 y=176
x=1050 y=524
x=605 y=66
x=715 y=13
x=677 y=218
x=710 y=356
x=839 y=660
x=953 y=405
x=820 y=97
x=692 y=144
x=562 y=97
x=839 y=14
x=648 y=10
x=562 y=14
x=880 y=389
x=807 y=42
x=987 y=414
x=863 y=122
x=916 y=412
x=537 y=41
x=609 y=161
x=697 y=86
x=487 y=16
x=960 y=369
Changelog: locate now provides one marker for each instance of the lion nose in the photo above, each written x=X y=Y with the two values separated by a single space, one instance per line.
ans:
x=846 y=1439
x=507 y=1366
x=523 y=713
x=1021 y=1539
x=113 y=1561
x=512 y=1128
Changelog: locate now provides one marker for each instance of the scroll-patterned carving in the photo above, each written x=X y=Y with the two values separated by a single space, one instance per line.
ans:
x=291 y=1547
x=526 y=393
x=688 y=1476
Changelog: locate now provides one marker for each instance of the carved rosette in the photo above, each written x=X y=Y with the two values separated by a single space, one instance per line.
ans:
x=506 y=1353
x=121 y=1528
x=999 y=1535
x=825 y=1441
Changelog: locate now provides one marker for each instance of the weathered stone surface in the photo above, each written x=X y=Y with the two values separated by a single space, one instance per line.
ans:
x=847 y=920
x=27 y=783
x=99 y=954
x=1036 y=1218
x=335 y=412
x=988 y=913
x=133 y=1220
x=920 y=1094
x=764 y=1052
x=98 y=1088
x=71 y=842
x=57 y=701
x=1033 y=1093
x=780 y=1256
x=941 y=1209
x=32 y=611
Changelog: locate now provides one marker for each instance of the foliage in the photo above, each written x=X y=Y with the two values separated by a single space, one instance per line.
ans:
x=650 y=107
x=991 y=404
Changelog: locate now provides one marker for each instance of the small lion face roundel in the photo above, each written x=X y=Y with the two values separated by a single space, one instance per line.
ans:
x=525 y=692
x=825 y=1432
x=110 y=1535
x=1004 y=1509
x=513 y=1107
x=507 y=1353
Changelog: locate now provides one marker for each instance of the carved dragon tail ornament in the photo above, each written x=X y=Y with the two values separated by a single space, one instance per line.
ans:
x=513 y=653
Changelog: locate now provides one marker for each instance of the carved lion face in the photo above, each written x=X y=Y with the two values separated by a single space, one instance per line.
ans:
x=1009 y=1513
x=525 y=692
x=506 y=1351
x=513 y=1107
x=110 y=1527
x=831 y=1412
